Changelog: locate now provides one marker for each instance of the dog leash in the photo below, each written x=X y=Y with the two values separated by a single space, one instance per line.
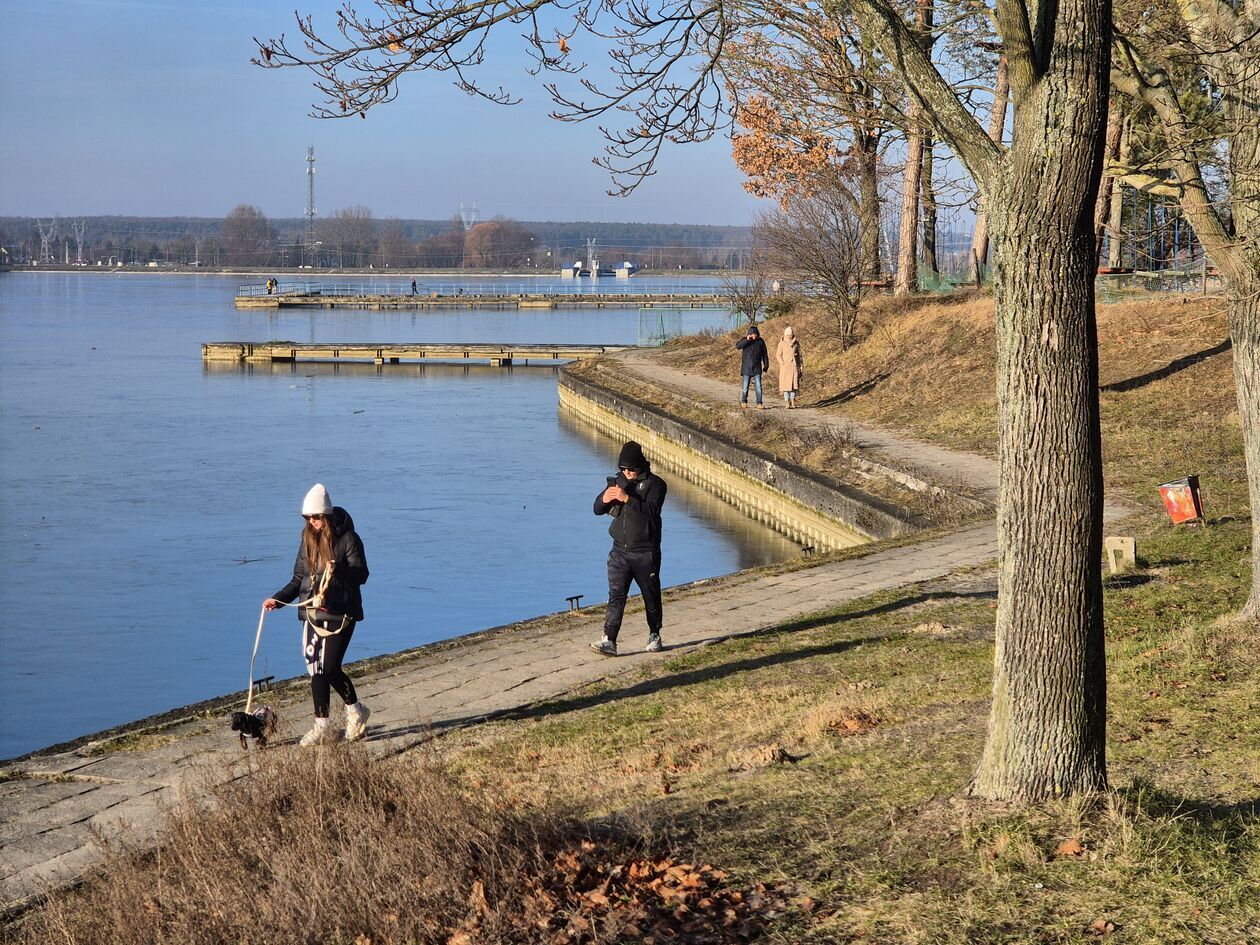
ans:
x=262 y=615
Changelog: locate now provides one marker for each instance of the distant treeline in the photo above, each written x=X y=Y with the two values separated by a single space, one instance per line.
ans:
x=352 y=237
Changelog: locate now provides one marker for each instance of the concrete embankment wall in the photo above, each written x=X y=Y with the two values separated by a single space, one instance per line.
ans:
x=807 y=508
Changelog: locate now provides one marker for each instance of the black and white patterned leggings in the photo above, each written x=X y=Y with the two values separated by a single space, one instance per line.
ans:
x=325 y=668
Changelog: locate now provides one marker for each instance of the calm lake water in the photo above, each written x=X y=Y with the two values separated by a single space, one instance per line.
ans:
x=151 y=502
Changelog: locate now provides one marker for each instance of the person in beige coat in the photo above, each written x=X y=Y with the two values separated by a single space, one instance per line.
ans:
x=791 y=366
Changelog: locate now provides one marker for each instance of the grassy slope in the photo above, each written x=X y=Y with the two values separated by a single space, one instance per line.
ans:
x=887 y=701
x=828 y=757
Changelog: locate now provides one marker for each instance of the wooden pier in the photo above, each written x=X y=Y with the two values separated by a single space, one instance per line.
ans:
x=497 y=355
x=333 y=297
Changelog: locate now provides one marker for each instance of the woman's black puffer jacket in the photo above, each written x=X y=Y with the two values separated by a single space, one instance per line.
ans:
x=351 y=572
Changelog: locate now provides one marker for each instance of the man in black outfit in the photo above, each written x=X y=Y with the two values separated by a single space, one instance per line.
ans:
x=633 y=498
x=754 y=361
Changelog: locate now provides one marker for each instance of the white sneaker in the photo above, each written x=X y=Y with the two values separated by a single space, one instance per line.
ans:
x=356 y=721
x=605 y=647
x=653 y=644
x=321 y=735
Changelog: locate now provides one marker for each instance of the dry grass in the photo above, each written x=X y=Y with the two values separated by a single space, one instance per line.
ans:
x=893 y=377
x=319 y=848
x=833 y=753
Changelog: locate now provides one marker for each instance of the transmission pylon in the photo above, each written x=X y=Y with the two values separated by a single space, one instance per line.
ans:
x=46 y=238
x=468 y=217
x=80 y=229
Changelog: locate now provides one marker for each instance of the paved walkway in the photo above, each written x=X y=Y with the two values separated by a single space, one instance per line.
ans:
x=52 y=806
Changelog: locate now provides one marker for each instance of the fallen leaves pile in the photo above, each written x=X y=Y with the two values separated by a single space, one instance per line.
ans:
x=586 y=897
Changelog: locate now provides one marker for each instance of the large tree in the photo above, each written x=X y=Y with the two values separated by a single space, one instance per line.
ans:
x=1046 y=733
x=247 y=237
x=1219 y=43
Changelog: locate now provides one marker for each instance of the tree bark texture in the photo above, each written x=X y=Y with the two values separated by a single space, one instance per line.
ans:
x=1047 y=725
x=997 y=123
x=867 y=152
x=1244 y=330
x=907 y=280
x=1242 y=111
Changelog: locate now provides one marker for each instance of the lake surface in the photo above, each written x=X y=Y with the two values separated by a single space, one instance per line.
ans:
x=151 y=502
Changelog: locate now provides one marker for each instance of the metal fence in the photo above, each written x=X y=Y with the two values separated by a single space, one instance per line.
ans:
x=1122 y=286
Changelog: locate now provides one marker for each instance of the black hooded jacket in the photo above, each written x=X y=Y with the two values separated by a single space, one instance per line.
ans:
x=636 y=524
x=351 y=571
x=756 y=359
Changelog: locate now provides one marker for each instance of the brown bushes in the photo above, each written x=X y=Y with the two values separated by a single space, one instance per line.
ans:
x=339 y=849
x=313 y=848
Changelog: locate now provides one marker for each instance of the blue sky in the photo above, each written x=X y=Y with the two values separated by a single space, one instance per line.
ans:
x=147 y=107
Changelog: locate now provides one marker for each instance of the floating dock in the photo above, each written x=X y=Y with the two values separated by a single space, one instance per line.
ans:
x=323 y=295
x=498 y=355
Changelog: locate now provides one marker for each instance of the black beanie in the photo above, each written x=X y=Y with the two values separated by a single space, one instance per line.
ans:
x=632 y=457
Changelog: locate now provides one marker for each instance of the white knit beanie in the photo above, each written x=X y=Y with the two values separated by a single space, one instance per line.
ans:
x=317 y=501
x=788 y=333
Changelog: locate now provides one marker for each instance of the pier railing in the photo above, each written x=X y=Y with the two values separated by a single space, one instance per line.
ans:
x=475 y=289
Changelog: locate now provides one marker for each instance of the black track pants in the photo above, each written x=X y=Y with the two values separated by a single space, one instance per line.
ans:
x=644 y=568
x=333 y=676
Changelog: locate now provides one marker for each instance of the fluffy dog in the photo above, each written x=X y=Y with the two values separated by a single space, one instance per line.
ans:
x=259 y=724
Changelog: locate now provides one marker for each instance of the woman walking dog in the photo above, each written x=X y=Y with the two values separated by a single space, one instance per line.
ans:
x=327 y=575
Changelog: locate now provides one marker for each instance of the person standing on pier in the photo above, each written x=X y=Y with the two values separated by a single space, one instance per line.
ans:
x=756 y=360
x=633 y=498
x=413 y=287
x=791 y=366
x=328 y=573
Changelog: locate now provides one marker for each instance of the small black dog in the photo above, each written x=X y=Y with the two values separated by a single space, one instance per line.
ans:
x=259 y=724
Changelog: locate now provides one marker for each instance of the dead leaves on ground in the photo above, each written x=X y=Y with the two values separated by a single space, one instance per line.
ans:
x=588 y=896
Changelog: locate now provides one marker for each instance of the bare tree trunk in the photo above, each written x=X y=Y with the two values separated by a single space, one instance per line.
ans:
x=1244 y=330
x=1102 y=206
x=1115 y=229
x=997 y=122
x=1047 y=724
x=929 y=209
x=867 y=151
x=907 y=280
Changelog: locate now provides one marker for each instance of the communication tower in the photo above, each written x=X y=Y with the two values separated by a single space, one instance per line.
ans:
x=310 y=195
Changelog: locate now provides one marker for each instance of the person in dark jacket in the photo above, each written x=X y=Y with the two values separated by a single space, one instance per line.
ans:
x=633 y=498
x=329 y=570
x=756 y=361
